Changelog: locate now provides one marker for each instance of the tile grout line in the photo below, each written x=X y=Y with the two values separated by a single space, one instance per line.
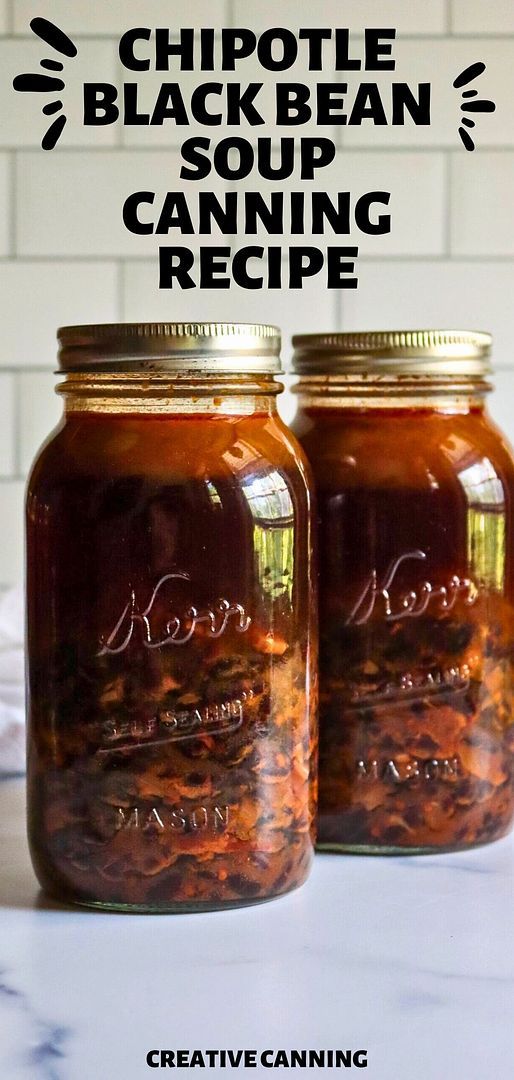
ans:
x=448 y=206
x=339 y=310
x=17 y=471
x=449 y=17
x=165 y=148
x=120 y=289
x=13 y=207
x=441 y=36
x=120 y=127
x=373 y=257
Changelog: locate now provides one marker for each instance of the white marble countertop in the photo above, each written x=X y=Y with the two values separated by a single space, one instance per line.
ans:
x=409 y=958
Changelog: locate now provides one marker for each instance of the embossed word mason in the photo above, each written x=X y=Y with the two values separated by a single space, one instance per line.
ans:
x=377 y=595
x=178 y=627
x=159 y=819
x=403 y=768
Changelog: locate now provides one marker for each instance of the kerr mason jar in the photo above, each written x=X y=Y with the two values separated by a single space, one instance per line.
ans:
x=415 y=487
x=171 y=625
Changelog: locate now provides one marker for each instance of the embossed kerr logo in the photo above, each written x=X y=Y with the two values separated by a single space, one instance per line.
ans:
x=177 y=626
x=162 y=622
x=381 y=596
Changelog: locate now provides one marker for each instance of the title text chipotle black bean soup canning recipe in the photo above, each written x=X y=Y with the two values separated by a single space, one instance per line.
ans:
x=171 y=625
x=415 y=488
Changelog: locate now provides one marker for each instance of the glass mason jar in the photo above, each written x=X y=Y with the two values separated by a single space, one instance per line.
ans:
x=415 y=488
x=171 y=640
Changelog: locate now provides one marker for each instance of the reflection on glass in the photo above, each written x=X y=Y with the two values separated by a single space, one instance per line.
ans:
x=485 y=523
x=213 y=493
x=272 y=510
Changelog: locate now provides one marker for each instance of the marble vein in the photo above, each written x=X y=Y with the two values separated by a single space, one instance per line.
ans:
x=45 y=1042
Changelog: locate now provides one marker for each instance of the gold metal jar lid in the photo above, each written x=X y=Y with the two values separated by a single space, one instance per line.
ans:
x=394 y=352
x=200 y=347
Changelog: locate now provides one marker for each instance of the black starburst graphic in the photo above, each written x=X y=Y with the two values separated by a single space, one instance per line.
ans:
x=470 y=102
x=45 y=84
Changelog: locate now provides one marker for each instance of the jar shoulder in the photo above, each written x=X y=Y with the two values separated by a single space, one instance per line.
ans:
x=409 y=450
x=171 y=449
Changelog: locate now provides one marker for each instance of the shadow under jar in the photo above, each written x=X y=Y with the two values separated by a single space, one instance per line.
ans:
x=171 y=642
x=415 y=488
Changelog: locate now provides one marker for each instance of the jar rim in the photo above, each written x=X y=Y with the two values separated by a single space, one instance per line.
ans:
x=200 y=347
x=394 y=352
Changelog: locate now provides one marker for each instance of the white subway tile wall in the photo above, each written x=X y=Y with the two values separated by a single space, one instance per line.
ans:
x=409 y=16
x=117 y=16
x=439 y=61
x=22 y=124
x=483 y=16
x=71 y=204
x=482 y=204
x=7 y=425
x=12 y=518
x=6 y=207
x=65 y=256
x=37 y=296
x=39 y=410
x=449 y=293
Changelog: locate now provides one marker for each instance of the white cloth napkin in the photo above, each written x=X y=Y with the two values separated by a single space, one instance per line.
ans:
x=12 y=688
